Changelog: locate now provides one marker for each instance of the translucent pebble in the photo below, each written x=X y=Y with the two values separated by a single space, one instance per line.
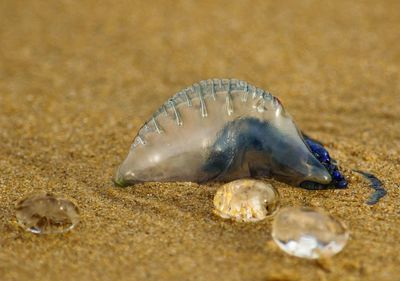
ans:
x=246 y=200
x=308 y=233
x=44 y=213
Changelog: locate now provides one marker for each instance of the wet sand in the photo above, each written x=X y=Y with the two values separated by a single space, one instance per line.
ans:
x=78 y=79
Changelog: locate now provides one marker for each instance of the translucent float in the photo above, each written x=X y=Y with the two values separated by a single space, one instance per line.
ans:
x=246 y=200
x=45 y=213
x=308 y=233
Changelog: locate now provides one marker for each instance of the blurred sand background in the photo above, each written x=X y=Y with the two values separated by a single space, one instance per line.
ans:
x=78 y=78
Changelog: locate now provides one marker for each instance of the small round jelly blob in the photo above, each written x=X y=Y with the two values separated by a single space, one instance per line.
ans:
x=308 y=233
x=45 y=213
x=322 y=154
x=246 y=200
x=337 y=175
x=342 y=184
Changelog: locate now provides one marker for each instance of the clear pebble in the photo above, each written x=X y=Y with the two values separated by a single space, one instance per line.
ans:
x=308 y=233
x=246 y=200
x=45 y=213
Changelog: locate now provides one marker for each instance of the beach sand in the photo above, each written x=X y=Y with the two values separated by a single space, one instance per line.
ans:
x=79 y=78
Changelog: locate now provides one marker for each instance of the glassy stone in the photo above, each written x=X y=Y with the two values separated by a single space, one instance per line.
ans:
x=308 y=233
x=246 y=200
x=44 y=213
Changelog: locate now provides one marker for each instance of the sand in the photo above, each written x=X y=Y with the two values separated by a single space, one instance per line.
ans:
x=78 y=79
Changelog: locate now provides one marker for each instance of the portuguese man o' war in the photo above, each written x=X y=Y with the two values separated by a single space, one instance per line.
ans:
x=222 y=130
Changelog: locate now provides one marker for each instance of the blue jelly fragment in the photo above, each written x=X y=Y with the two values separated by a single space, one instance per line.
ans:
x=375 y=184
